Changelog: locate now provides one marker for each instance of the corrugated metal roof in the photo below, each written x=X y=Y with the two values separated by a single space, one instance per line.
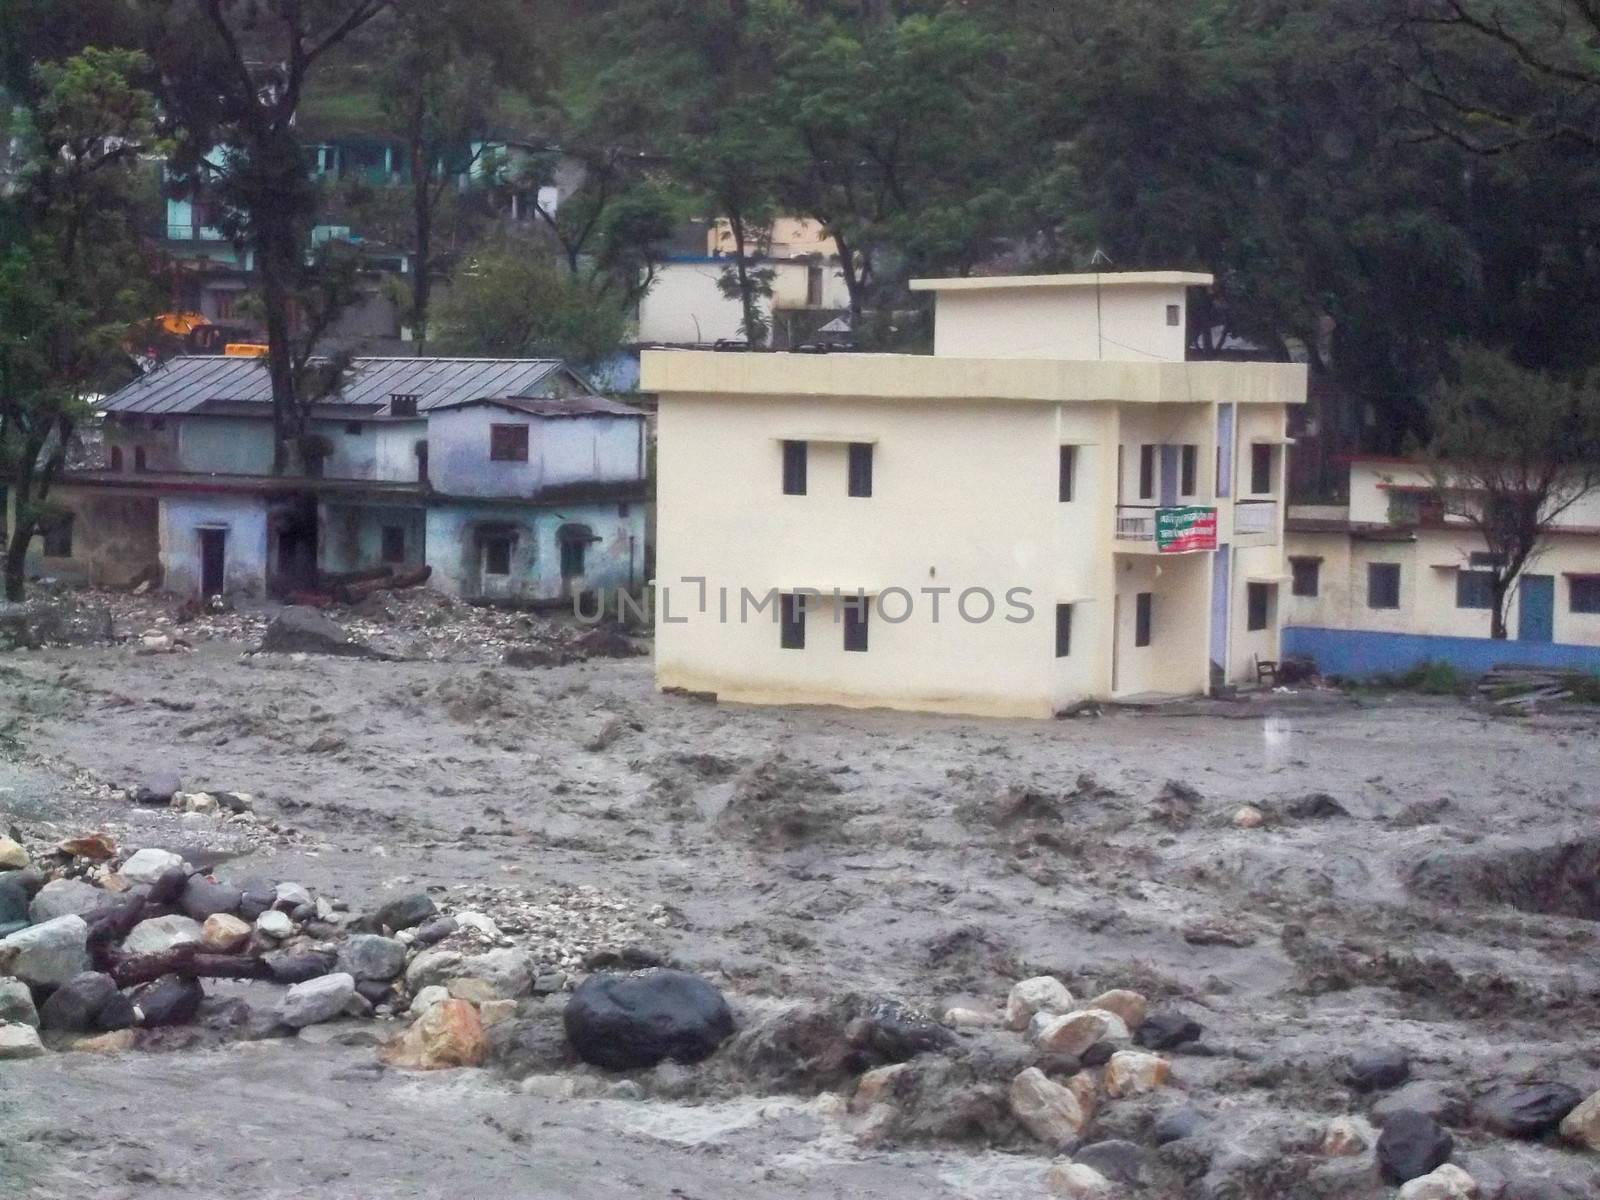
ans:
x=184 y=384
x=554 y=406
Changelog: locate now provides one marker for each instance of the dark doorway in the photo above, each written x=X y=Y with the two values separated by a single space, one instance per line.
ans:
x=296 y=544
x=213 y=561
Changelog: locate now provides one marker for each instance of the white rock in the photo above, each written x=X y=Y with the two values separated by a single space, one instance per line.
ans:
x=160 y=934
x=1051 y=1112
x=1077 y=1031
x=1347 y=1136
x=877 y=1086
x=49 y=954
x=16 y=1004
x=1448 y=1182
x=1132 y=1007
x=275 y=924
x=1078 y=1181
x=1134 y=1072
x=1041 y=994
x=316 y=1000
x=148 y=865
x=12 y=856
x=19 y=1041
x=427 y=998
x=200 y=802
x=478 y=921
x=292 y=895
x=1581 y=1126
x=970 y=1018
x=1249 y=817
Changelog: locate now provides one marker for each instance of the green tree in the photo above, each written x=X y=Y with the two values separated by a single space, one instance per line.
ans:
x=232 y=75
x=511 y=301
x=73 y=277
x=1512 y=451
x=439 y=83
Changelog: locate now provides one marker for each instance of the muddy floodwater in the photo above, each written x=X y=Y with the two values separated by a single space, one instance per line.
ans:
x=1427 y=876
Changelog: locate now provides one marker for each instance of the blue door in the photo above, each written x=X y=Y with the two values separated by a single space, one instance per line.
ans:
x=1220 y=583
x=1536 y=608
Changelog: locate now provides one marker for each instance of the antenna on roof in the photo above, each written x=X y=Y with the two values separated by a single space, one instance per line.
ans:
x=1098 y=258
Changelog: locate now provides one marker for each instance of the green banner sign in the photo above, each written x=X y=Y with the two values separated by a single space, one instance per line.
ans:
x=1192 y=527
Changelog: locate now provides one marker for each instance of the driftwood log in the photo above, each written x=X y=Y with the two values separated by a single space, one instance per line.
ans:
x=358 y=590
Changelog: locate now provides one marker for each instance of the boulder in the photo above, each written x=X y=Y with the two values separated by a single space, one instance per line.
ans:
x=301 y=630
x=255 y=897
x=427 y=998
x=1077 y=1031
x=1346 y=1137
x=1176 y=1124
x=1378 y=1070
x=49 y=954
x=13 y=904
x=878 y=1085
x=511 y=972
x=275 y=924
x=1581 y=1126
x=160 y=934
x=1132 y=1007
x=204 y=897
x=149 y=865
x=75 y=1006
x=297 y=966
x=1528 y=1111
x=1411 y=1145
x=1444 y=1102
x=12 y=856
x=1041 y=994
x=117 y=1013
x=1133 y=1073
x=433 y=931
x=1078 y=1181
x=494 y=1012
x=368 y=956
x=1166 y=1030
x=1249 y=817
x=1119 y=1160
x=447 y=1034
x=62 y=897
x=157 y=788
x=223 y=933
x=316 y=1000
x=16 y=1003
x=170 y=1000
x=19 y=1041
x=1052 y=1112
x=638 y=1020
x=375 y=991
x=1448 y=1182
x=407 y=911
x=96 y=847
x=287 y=897
x=888 y=1031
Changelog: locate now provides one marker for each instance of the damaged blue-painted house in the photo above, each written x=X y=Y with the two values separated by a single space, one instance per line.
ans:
x=512 y=479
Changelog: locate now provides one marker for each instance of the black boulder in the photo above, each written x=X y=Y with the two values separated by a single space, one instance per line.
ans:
x=75 y=1006
x=626 y=1021
x=1411 y=1145
x=1165 y=1030
x=1378 y=1070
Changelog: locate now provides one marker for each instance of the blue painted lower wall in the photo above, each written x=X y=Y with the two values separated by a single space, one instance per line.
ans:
x=1358 y=653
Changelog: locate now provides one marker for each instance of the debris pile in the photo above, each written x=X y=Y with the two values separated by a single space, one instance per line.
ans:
x=1522 y=688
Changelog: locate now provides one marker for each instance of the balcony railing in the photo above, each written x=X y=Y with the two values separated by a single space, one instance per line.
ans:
x=1255 y=517
x=1170 y=529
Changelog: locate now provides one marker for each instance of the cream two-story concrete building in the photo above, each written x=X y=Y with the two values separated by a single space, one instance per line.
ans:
x=1052 y=507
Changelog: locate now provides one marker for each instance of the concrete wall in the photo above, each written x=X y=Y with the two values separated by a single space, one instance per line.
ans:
x=560 y=450
x=1428 y=566
x=245 y=520
x=685 y=305
x=454 y=550
x=352 y=534
x=1112 y=323
x=224 y=445
x=1372 y=481
x=1359 y=654
x=114 y=537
